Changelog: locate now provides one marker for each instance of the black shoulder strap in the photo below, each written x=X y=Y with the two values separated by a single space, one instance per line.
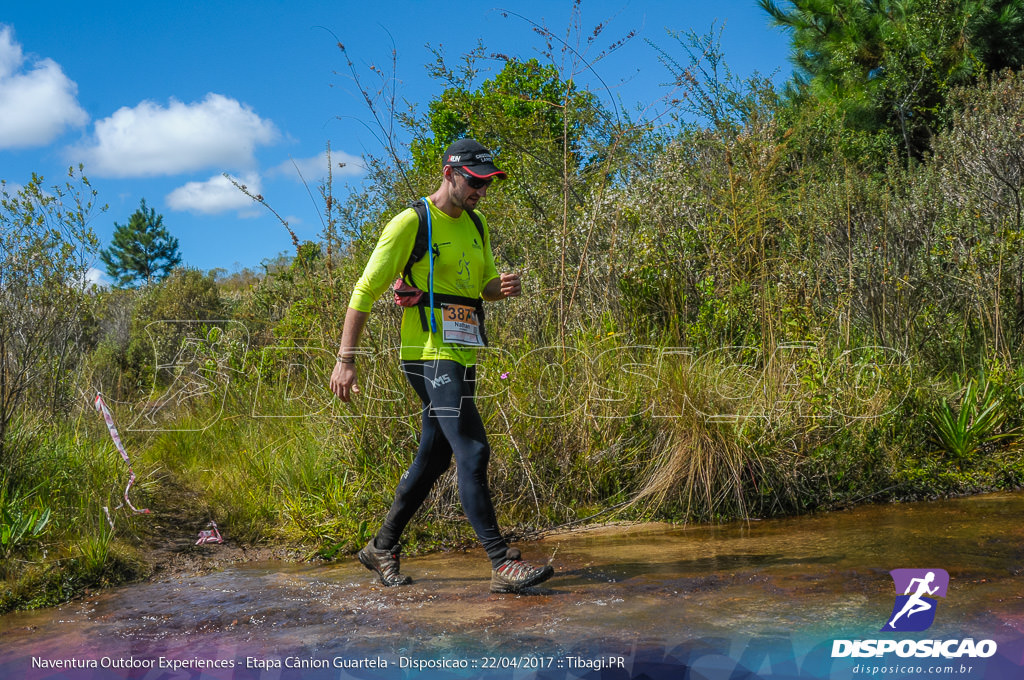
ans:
x=479 y=225
x=420 y=246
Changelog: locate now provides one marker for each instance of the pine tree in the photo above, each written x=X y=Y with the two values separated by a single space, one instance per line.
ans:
x=142 y=250
x=890 y=64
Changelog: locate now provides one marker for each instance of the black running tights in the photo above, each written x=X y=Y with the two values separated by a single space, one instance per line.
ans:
x=451 y=424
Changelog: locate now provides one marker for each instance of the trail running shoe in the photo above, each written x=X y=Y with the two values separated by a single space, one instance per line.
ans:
x=513 y=575
x=385 y=563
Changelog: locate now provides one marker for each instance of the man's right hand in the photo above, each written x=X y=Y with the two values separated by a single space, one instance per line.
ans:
x=343 y=381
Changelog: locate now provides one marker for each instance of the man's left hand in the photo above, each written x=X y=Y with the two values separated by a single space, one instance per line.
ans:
x=511 y=285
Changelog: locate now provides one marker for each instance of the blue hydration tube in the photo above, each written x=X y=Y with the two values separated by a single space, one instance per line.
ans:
x=430 y=257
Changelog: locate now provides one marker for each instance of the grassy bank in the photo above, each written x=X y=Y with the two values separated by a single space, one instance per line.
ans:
x=592 y=432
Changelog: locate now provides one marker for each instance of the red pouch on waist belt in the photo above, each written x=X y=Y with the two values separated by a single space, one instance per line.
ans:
x=406 y=295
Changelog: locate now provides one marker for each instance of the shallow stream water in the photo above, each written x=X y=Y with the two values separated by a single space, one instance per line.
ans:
x=753 y=599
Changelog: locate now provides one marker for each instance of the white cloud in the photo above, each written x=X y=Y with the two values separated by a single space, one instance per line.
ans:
x=215 y=195
x=11 y=57
x=36 y=104
x=11 y=189
x=96 y=277
x=153 y=140
x=315 y=169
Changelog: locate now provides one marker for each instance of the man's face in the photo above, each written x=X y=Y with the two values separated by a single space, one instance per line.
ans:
x=464 y=195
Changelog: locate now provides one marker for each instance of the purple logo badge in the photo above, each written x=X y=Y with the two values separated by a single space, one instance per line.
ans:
x=916 y=590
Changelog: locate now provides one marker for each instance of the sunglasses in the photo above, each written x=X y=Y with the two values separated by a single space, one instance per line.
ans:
x=474 y=182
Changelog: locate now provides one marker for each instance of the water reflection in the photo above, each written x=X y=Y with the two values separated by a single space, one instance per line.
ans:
x=812 y=576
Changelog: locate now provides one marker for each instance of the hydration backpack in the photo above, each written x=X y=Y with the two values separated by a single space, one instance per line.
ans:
x=406 y=292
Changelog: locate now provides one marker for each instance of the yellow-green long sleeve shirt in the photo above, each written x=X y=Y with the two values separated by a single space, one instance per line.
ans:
x=462 y=266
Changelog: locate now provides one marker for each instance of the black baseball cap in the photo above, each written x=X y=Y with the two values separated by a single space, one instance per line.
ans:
x=473 y=157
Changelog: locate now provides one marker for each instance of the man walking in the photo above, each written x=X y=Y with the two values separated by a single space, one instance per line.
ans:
x=441 y=328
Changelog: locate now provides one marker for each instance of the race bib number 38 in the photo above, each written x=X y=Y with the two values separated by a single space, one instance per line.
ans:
x=460 y=326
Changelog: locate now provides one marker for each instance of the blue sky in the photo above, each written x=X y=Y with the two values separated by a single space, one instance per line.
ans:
x=159 y=99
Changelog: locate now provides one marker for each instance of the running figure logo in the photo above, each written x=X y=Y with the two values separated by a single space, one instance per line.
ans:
x=915 y=608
